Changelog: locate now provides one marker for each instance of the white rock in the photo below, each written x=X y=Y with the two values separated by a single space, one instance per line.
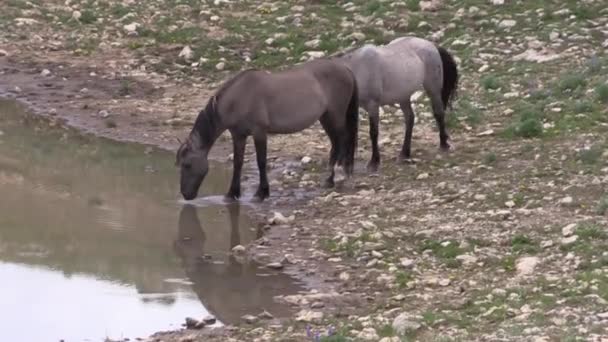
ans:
x=566 y=200
x=569 y=240
x=238 y=249
x=186 y=53
x=309 y=316
x=526 y=265
x=467 y=259
x=45 y=72
x=306 y=160
x=368 y=334
x=486 y=133
x=3 y=53
x=220 y=66
x=269 y=41
x=407 y=263
x=422 y=176
x=390 y=339
x=131 y=28
x=509 y=204
x=315 y=54
x=445 y=282
x=103 y=113
x=480 y=197
x=76 y=15
x=569 y=229
x=507 y=23
x=553 y=36
x=214 y=18
x=313 y=44
x=278 y=218
x=405 y=324
x=498 y=2
x=484 y=68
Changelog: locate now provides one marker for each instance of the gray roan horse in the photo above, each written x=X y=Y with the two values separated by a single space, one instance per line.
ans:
x=391 y=73
x=259 y=103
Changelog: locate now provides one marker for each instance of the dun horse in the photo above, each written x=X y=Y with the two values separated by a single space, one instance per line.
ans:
x=259 y=103
x=391 y=73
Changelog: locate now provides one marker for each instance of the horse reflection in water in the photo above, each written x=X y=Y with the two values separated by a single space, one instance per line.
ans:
x=229 y=289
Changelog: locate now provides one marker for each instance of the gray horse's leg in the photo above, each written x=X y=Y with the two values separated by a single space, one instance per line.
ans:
x=409 y=117
x=261 y=143
x=238 y=143
x=439 y=114
x=373 y=110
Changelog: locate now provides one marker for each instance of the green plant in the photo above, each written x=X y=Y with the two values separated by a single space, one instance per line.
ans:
x=490 y=82
x=601 y=92
x=602 y=206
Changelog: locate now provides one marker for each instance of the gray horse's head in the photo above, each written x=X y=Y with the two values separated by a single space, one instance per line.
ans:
x=192 y=160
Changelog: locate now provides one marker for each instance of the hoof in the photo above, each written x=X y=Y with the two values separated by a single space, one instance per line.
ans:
x=328 y=183
x=405 y=160
x=445 y=147
x=372 y=167
x=231 y=197
x=261 y=195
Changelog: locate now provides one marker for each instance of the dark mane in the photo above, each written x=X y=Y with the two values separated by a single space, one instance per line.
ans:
x=208 y=120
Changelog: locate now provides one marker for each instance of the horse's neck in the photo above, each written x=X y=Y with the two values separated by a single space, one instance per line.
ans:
x=207 y=129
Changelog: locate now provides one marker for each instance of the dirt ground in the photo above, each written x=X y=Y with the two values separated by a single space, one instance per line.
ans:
x=503 y=238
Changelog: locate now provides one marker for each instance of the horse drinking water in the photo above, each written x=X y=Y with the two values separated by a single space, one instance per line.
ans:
x=391 y=73
x=259 y=103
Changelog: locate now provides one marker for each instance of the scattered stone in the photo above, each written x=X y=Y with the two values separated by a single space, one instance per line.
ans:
x=486 y=133
x=265 y=315
x=390 y=339
x=278 y=218
x=131 y=28
x=368 y=334
x=76 y=15
x=309 y=316
x=209 y=320
x=532 y=55
x=422 y=176
x=405 y=324
x=249 y=319
x=315 y=54
x=498 y=2
x=445 y=282
x=3 y=53
x=220 y=66
x=569 y=229
x=186 y=53
x=103 y=114
x=526 y=265
x=313 y=44
x=507 y=23
x=466 y=259
x=192 y=323
x=275 y=266
x=480 y=197
x=510 y=204
x=45 y=73
x=317 y=305
x=568 y=200
x=306 y=160
x=569 y=240
x=238 y=249
x=546 y=244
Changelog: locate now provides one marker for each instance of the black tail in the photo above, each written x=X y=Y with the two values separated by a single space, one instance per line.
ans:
x=352 y=130
x=450 y=77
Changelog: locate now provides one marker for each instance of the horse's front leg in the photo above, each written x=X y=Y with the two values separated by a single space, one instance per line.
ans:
x=238 y=143
x=408 y=115
x=373 y=110
x=261 y=143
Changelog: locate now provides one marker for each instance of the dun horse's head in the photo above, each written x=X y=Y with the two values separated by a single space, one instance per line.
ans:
x=192 y=160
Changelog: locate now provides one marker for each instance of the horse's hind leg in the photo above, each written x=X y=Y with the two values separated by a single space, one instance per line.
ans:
x=409 y=117
x=439 y=114
x=261 y=143
x=238 y=142
x=335 y=149
x=374 y=117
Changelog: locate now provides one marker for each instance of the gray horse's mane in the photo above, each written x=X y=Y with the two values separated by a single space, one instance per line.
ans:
x=344 y=53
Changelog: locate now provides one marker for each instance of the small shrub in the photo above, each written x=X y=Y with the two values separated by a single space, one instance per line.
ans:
x=88 y=17
x=571 y=82
x=583 y=106
x=489 y=158
x=601 y=92
x=490 y=82
x=528 y=125
x=413 y=5
x=523 y=244
x=602 y=206
x=591 y=155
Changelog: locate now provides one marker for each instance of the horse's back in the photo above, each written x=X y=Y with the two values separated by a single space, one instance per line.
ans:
x=426 y=51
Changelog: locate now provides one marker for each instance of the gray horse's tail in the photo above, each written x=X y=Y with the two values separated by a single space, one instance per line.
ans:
x=352 y=130
x=450 y=77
